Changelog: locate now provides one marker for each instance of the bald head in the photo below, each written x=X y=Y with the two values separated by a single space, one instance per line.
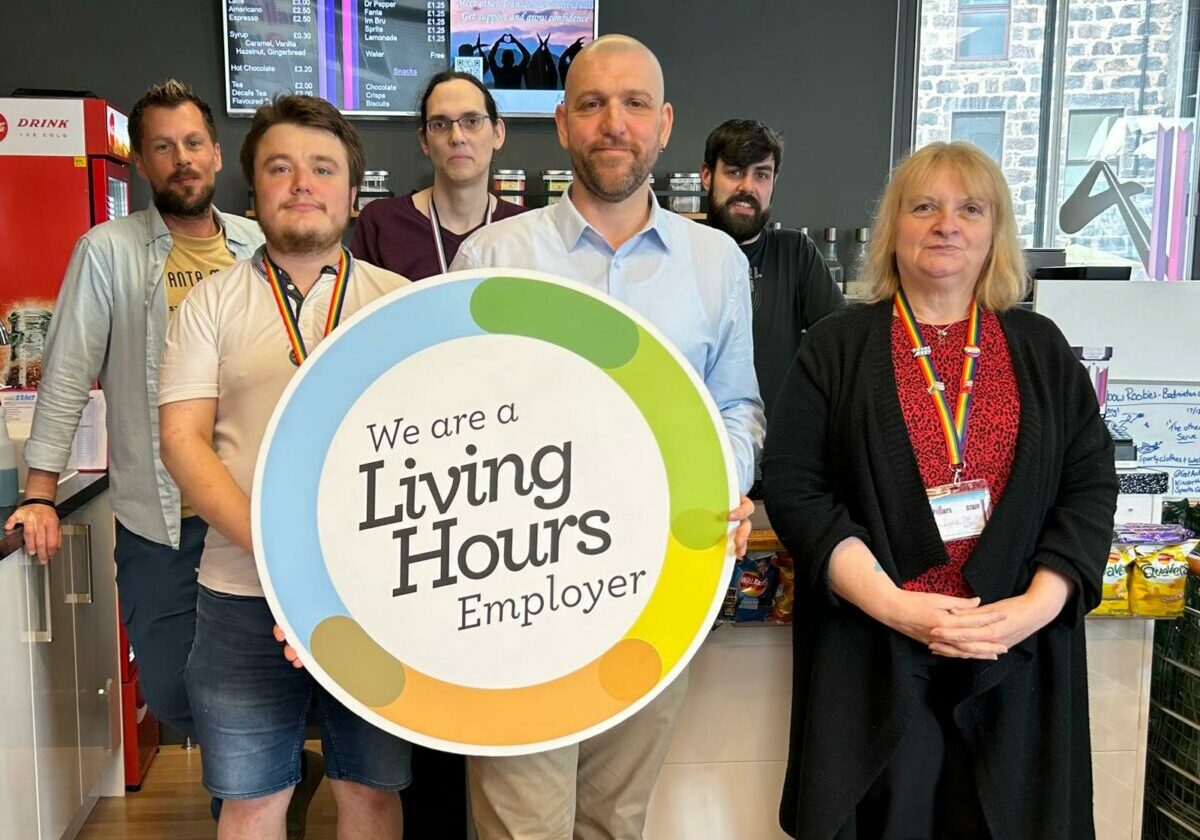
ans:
x=603 y=52
x=613 y=120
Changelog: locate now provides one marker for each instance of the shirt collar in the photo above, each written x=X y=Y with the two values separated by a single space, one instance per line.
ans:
x=260 y=257
x=572 y=226
x=158 y=228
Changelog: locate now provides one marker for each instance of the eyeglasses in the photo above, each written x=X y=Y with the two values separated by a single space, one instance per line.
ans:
x=469 y=123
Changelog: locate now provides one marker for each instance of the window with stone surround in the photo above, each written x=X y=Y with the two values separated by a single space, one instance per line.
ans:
x=946 y=87
x=983 y=128
x=1099 y=93
x=982 y=30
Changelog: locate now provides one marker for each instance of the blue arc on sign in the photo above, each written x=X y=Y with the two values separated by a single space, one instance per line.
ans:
x=304 y=433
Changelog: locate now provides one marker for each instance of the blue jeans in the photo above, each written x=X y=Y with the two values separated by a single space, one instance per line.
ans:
x=157 y=586
x=251 y=706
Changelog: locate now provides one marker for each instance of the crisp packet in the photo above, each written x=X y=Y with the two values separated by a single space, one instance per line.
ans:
x=1158 y=579
x=1114 y=597
x=752 y=589
x=785 y=592
x=1150 y=534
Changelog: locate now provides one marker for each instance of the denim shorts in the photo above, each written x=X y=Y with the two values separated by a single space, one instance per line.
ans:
x=251 y=707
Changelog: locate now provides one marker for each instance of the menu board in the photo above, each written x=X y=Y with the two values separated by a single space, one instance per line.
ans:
x=373 y=57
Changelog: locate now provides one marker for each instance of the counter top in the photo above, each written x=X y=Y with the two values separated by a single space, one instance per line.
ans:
x=73 y=494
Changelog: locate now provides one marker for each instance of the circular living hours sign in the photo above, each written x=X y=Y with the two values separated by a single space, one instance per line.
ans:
x=490 y=512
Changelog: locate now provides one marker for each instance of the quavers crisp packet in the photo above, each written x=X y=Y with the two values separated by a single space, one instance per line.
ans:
x=1114 y=599
x=1158 y=579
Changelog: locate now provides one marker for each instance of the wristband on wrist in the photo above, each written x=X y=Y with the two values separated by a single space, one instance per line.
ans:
x=49 y=502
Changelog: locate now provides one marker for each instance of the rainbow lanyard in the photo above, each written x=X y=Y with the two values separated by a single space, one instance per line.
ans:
x=954 y=426
x=299 y=352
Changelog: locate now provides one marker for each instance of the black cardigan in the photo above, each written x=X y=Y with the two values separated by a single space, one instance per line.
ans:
x=838 y=463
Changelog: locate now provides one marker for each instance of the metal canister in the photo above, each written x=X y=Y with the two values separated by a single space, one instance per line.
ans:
x=556 y=182
x=375 y=180
x=374 y=186
x=509 y=184
x=685 y=182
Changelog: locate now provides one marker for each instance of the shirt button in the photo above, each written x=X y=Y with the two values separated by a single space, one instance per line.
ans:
x=291 y=288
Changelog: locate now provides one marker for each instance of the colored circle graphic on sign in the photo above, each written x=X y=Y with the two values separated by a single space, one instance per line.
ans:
x=491 y=512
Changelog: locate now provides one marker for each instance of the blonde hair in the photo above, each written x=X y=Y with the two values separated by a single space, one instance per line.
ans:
x=1003 y=279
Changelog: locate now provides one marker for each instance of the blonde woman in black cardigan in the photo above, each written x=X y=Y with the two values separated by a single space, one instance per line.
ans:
x=938 y=467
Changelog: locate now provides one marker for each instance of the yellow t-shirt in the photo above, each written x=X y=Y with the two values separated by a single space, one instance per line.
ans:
x=190 y=261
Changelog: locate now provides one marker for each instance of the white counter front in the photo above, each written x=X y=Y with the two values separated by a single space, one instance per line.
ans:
x=724 y=772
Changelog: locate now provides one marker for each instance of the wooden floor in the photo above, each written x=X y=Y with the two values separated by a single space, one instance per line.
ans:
x=173 y=805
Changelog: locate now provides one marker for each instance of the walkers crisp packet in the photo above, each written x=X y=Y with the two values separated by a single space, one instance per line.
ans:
x=752 y=589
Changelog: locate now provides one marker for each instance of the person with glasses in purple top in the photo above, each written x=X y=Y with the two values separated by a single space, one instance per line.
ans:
x=418 y=235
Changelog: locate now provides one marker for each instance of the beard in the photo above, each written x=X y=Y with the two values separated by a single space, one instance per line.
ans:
x=613 y=184
x=173 y=203
x=298 y=242
x=736 y=225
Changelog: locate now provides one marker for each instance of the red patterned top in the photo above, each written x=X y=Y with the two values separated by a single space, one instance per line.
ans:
x=991 y=429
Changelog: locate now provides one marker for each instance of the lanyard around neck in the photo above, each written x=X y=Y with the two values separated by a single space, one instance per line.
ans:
x=299 y=351
x=435 y=225
x=954 y=425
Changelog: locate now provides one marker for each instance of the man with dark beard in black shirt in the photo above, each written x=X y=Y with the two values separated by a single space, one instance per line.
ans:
x=790 y=287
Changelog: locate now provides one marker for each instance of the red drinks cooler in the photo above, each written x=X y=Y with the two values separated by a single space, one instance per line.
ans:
x=64 y=166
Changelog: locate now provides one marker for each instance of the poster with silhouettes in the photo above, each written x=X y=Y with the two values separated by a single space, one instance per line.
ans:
x=522 y=51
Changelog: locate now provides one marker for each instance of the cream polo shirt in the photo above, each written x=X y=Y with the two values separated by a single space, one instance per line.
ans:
x=227 y=342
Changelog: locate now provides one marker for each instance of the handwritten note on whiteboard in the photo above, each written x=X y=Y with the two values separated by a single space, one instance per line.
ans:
x=1164 y=421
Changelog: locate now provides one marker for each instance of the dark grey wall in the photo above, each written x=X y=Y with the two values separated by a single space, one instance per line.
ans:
x=820 y=71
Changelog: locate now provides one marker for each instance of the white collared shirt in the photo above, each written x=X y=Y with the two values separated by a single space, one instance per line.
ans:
x=687 y=279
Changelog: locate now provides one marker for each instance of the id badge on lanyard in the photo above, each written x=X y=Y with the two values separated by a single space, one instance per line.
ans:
x=960 y=508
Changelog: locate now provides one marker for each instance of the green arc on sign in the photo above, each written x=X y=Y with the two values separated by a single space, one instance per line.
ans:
x=648 y=372
x=576 y=322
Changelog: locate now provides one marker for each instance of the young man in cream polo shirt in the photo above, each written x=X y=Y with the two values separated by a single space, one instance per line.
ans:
x=227 y=361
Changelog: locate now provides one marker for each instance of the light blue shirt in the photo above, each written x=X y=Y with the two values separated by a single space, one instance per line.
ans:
x=110 y=321
x=687 y=279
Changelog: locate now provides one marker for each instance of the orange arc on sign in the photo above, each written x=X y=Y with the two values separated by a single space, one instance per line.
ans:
x=528 y=714
x=504 y=716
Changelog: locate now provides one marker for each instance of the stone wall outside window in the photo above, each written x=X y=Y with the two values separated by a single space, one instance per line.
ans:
x=1124 y=55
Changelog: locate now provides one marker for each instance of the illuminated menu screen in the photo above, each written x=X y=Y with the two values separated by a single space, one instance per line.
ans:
x=373 y=57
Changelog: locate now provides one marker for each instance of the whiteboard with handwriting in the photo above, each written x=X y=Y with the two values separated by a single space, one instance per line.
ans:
x=1164 y=420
